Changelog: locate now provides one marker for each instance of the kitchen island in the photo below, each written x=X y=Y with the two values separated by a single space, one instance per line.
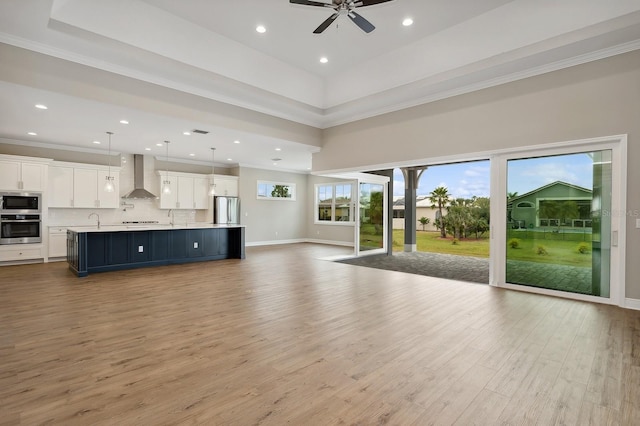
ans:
x=110 y=248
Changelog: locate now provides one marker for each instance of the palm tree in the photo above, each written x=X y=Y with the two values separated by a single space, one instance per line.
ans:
x=424 y=221
x=439 y=198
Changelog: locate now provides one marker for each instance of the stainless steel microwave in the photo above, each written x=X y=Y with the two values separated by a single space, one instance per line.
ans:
x=20 y=203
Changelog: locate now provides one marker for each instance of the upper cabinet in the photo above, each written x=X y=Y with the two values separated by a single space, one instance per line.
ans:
x=17 y=175
x=191 y=191
x=74 y=185
x=226 y=185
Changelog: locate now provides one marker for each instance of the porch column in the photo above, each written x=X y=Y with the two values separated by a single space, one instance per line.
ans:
x=411 y=177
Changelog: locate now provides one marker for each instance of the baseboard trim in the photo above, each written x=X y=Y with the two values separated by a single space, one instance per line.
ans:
x=632 y=304
x=297 y=241
x=275 y=242
x=330 y=242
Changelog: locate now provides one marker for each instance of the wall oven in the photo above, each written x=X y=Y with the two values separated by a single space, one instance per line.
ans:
x=20 y=229
x=20 y=203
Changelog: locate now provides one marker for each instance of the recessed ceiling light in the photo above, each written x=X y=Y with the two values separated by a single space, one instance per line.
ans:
x=40 y=106
x=186 y=133
x=236 y=141
x=229 y=159
x=324 y=60
x=407 y=22
x=275 y=164
x=192 y=155
x=124 y=122
x=96 y=142
x=261 y=29
x=32 y=134
x=278 y=149
x=158 y=144
x=147 y=149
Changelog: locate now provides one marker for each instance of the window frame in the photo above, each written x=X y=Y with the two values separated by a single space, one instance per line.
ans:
x=291 y=185
x=317 y=204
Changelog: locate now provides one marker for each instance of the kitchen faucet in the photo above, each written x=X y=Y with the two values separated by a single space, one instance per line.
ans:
x=97 y=216
x=170 y=214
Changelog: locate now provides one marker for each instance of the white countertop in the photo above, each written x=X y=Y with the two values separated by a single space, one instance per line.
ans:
x=148 y=227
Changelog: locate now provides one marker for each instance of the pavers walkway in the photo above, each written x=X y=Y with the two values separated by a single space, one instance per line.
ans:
x=474 y=269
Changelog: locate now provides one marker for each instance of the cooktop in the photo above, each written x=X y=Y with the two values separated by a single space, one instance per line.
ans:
x=127 y=222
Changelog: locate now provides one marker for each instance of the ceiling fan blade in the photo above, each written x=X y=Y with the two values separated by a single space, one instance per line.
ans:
x=310 y=3
x=326 y=23
x=364 y=25
x=362 y=3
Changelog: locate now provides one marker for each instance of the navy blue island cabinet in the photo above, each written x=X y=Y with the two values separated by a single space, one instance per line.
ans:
x=121 y=247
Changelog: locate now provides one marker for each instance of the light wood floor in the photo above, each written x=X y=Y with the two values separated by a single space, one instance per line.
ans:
x=285 y=338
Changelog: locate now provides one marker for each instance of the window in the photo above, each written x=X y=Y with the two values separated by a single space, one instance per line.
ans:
x=398 y=214
x=334 y=203
x=276 y=190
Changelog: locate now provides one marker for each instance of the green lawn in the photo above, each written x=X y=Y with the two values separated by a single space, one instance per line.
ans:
x=558 y=251
x=430 y=241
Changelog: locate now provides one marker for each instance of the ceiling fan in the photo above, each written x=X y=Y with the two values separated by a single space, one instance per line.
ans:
x=343 y=7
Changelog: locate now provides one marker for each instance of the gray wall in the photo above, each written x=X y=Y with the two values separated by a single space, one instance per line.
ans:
x=600 y=98
x=264 y=218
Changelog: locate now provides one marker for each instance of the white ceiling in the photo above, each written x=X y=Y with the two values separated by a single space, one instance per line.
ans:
x=214 y=51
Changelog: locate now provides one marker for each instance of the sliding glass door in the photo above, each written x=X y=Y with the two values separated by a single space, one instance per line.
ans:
x=558 y=232
x=559 y=220
x=372 y=221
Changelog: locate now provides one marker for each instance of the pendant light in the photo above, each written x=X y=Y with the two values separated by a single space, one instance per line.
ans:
x=212 y=187
x=166 y=183
x=108 y=184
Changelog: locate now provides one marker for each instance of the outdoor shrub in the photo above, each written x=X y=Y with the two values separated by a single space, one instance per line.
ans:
x=454 y=242
x=514 y=243
x=542 y=251
x=583 y=248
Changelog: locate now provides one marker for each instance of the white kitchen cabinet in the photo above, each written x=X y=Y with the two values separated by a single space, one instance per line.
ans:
x=20 y=252
x=85 y=188
x=226 y=185
x=57 y=242
x=82 y=186
x=185 y=192
x=201 y=199
x=22 y=176
x=60 y=186
x=188 y=191
x=169 y=200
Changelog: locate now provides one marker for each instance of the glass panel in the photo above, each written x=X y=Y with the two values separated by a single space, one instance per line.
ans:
x=559 y=222
x=324 y=213
x=371 y=216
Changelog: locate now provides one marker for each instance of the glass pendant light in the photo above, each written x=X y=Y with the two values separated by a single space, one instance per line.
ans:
x=108 y=185
x=166 y=183
x=212 y=187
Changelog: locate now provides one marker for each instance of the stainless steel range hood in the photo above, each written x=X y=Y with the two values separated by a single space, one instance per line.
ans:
x=139 y=193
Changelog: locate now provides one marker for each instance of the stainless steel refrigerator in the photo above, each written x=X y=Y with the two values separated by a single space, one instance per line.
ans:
x=226 y=210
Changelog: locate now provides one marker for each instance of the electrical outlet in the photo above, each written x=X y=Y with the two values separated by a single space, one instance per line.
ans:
x=276 y=233
x=195 y=244
x=317 y=232
x=140 y=249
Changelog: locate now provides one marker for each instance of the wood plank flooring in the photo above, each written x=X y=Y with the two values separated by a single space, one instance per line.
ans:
x=283 y=337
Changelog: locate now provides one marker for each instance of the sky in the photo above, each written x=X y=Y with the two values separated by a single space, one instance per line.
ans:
x=464 y=180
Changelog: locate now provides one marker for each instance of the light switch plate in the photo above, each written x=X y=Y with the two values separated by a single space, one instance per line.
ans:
x=195 y=244
x=140 y=249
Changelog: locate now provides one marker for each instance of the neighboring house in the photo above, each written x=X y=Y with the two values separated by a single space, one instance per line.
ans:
x=423 y=209
x=540 y=207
